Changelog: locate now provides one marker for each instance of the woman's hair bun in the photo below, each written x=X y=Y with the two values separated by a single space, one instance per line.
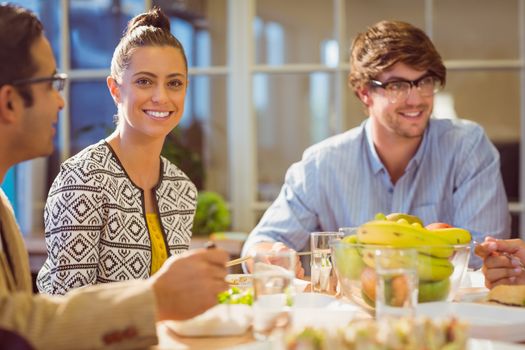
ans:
x=154 y=18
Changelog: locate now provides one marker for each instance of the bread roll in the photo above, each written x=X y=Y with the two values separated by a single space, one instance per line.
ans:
x=508 y=295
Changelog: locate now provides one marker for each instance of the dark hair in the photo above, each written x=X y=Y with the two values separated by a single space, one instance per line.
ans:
x=151 y=28
x=19 y=29
x=387 y=43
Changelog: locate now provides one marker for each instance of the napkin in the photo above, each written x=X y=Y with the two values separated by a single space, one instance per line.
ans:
x=220 y=320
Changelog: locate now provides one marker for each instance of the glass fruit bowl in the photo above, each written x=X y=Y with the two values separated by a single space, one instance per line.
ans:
x=440 y=269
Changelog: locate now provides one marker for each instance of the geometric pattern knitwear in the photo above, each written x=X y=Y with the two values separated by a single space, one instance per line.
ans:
x=95 y=221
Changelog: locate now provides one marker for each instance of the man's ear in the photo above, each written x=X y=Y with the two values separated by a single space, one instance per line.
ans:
x=114 y=89
x=9 y=101
x=364 y=96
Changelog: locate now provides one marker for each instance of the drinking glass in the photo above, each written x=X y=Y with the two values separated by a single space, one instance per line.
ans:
x=323 y=277
x=397 y=282
x=273 y=275
x=348 y=231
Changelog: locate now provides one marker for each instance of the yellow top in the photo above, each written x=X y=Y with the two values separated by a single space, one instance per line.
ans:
x=158 y=247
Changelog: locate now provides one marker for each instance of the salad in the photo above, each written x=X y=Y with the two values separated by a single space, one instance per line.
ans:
x=235 y=295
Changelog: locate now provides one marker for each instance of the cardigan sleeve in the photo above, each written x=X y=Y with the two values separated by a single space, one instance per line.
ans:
x=73 y=220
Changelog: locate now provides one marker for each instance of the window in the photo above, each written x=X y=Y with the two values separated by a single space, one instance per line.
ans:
x=268 y=79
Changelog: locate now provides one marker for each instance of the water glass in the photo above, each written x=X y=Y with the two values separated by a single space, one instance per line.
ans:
x=397 y=282
x=348 y=231
x=323 y=277
x=273 y=275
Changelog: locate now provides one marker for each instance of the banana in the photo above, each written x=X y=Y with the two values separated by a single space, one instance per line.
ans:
x=429 y=268
x=409 y=218
x=397 y=234
x=453 y=235
x=416 y=225
x=433 y=291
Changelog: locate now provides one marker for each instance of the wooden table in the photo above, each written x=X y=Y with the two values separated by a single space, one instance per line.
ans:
x=170 y=340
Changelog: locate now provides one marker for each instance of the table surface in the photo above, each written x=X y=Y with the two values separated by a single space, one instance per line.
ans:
x=170 y=340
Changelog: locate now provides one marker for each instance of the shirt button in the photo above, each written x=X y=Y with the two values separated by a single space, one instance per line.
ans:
x=390 y=190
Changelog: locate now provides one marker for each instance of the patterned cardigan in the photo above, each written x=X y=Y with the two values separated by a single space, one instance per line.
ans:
x=95 y=222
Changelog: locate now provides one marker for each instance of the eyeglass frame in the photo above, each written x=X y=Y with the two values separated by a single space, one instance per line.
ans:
x=413 y=84
x=58 y=81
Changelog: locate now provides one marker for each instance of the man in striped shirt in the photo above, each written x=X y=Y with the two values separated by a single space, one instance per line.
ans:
x=398 y=160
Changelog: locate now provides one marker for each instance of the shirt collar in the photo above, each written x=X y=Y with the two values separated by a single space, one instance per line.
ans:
x=377 y=165
x=418 y=157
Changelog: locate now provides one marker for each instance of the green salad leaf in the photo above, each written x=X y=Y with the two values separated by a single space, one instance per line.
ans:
x=235 y=295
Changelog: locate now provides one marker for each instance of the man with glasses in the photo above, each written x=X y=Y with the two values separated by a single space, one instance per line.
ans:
x=57 y=81
x=118 y=315
x=398 y=160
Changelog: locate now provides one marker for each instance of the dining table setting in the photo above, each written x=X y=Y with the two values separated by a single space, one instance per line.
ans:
x=356 y=291
x=493 y=326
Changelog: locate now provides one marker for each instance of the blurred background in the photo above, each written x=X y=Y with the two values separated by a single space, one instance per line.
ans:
x=268 y=79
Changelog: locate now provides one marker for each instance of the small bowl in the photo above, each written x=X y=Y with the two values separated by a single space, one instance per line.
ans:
x=356 y=273
x=241 y=281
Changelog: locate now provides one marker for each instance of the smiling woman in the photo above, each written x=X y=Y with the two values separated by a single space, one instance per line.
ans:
x=118 y=209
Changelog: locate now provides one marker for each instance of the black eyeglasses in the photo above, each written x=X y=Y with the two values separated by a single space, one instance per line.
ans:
x=57 y=80
x=398 y=90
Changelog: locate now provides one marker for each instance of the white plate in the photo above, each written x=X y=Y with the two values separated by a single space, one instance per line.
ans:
x=300 y=285
x=484 y=344
x=315 y=300
x=486 y=321
x=321 y=310
x=473 y=344
x=239 y=280
x=220 y=320
x=244 y=281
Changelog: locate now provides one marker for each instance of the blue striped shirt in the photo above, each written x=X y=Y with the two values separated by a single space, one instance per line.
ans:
x=454 y=177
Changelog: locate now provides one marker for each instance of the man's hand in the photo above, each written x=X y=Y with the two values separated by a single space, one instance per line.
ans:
x=276 y=247
x=188 y=284
x=280 y=247
x=502 y=261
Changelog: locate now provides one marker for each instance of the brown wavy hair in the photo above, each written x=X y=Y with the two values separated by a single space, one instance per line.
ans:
x=387 y=43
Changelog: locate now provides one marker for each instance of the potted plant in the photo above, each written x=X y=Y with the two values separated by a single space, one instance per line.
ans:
x=182 y=147
x=212 y=214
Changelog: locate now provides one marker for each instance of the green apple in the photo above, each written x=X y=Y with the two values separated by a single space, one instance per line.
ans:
x=433 y=291
x=348 y=260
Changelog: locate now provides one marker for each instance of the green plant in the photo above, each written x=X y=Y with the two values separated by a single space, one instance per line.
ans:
x=212 y=214
x=182 y=148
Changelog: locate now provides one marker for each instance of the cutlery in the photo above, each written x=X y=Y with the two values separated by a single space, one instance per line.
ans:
x=505 y=254
x=248 y=257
